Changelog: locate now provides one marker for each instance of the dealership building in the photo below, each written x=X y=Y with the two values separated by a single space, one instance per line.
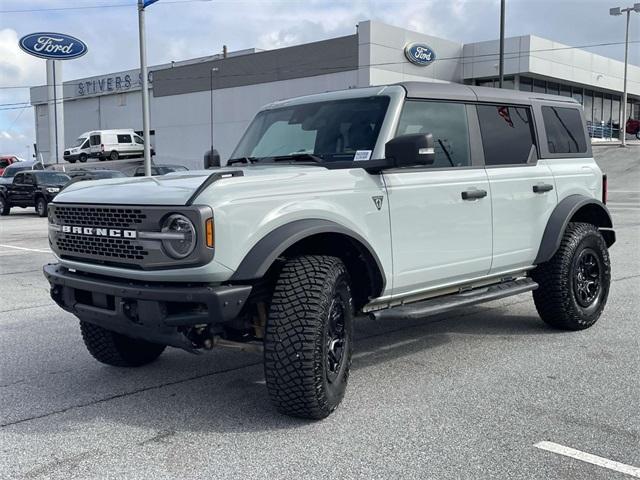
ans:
x=204 y=101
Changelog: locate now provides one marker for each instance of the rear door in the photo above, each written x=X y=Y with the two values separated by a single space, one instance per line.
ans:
x=522 y=186
x=440 y=214
x=126 y=145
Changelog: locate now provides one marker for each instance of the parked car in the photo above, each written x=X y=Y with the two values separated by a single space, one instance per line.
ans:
x=159 y=170
x=395 y=201
x=6 y=160
x=80 y=150
x=31 y=189
x=14 y=168
x=81 y=175
x=633 y=127
x=114 y=144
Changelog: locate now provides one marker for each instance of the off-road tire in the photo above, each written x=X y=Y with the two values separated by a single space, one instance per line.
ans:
x=118 y=350
x=557 y=297
x=82 y=157
x=298 y=337
x=41 y=206
x=114 y=155
x=5 y=208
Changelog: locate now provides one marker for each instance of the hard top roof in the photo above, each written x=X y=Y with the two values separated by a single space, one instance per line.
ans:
x=457 y=91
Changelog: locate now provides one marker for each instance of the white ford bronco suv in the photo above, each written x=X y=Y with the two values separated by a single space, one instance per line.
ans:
x=394 y=201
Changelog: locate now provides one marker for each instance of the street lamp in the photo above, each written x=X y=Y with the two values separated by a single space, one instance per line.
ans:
x=623 y=122
x=142 y=4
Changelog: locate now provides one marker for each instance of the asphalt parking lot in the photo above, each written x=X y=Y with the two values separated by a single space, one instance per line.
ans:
x=467 y=395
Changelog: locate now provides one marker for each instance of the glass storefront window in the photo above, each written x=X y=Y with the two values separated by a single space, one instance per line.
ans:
x=588 y=105
x=576 y=93
x=606 y=108
x=507 y=83
x=565 y=90
x=525 y=84
x=485 y=83
x=615 y=110
x=597 y=107
x=553 y=88
x=539 y=86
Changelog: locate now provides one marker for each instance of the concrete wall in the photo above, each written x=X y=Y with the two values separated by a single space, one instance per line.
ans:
x=381 y=56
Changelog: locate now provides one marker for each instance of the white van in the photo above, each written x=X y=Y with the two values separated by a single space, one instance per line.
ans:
x=79 y=150
x=115 y=144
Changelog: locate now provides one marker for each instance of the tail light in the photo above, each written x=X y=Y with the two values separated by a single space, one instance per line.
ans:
x=605 y=187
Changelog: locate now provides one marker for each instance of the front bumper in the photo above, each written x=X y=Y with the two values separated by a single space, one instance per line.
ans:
x=149 y=311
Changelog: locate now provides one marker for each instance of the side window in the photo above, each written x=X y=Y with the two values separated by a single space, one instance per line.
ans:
x=95 y=140
x=447 y=122
x=19 y=178
x=28 y=179
x=565 y=133
x=4 y=162
x=124 y=139
x=85 y=144
x=138 y=140
x=507 y=134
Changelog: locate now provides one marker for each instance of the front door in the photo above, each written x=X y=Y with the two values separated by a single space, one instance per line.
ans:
x=440 y=214
x=522 y=187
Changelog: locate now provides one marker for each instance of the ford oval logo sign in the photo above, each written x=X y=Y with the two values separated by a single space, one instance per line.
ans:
x=56 y=46
x=419 y=54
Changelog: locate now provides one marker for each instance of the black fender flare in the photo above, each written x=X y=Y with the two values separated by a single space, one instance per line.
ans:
x=262 y=255
x=562 y=215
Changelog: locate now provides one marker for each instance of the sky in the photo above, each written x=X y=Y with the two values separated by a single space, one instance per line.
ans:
x=180 y=30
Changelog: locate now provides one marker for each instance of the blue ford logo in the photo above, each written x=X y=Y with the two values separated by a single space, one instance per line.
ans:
x=56 y=46
x=420 y=54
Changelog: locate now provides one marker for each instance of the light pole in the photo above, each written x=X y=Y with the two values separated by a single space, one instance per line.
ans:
x=142 y=4
x=623 y=120
x=501 y=61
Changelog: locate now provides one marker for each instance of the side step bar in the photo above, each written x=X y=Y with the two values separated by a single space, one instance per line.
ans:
x=453 y=301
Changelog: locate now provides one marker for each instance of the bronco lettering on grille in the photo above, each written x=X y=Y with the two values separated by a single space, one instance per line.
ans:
x=100 y=232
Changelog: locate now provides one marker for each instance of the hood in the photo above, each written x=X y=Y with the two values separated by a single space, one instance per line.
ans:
x=171 y=189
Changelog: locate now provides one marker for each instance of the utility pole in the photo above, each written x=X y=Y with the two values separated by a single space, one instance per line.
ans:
x=142 y=4
x=623 y=111
x=501 y=61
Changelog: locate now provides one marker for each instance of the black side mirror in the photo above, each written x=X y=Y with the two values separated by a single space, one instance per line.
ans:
x=211 y=159
x=410 y=150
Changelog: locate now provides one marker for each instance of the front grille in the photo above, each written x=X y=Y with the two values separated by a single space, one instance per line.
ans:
x=118 y=249
x=113 y=248
x=99 y=216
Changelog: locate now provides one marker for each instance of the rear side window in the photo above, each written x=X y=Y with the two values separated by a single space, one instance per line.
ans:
x=447 y=122
x=94 y=140
x=4 y=162
x=564 y=129
x=124 y=139
x=507 y=134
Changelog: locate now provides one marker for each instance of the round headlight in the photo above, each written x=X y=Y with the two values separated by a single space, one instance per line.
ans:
x=181 y=238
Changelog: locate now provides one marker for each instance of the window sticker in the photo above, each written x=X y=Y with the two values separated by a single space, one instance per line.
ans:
x=362 y=155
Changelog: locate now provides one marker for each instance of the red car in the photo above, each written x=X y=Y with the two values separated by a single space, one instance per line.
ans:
x=6 y=160
x=633 y=127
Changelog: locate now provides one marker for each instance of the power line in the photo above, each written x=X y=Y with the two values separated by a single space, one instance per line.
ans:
x=488 y=56
x=87 y=7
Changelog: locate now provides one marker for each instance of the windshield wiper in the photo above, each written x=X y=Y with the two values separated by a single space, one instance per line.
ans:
x=231 y=161
x=298 y=157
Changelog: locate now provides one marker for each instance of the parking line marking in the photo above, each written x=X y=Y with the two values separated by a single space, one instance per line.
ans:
x=26 y=249
x=589 y=458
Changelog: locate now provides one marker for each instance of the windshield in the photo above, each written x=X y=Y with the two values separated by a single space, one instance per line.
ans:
x=52 y=178
x=333 y=130
x=79 y=141
x=11 y=172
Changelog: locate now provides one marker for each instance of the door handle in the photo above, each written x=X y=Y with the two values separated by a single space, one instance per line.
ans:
x=542 y=188
x=473 y=194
